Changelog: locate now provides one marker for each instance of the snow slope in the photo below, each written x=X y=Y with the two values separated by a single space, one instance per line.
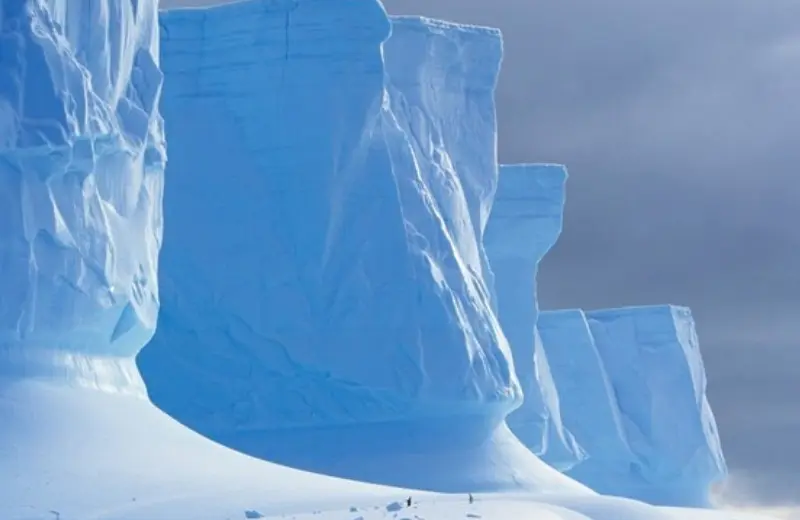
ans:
x=356 y=292
x=525 y=223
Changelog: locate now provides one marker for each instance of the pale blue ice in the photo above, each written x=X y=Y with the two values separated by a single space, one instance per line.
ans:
x=623 y=390
x=331 y=290
x=331 y=293
x=82 y=156
x=525 y=223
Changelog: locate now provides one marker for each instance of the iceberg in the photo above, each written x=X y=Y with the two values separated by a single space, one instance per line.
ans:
x=339 y=179
x=81 y=176
x=655 y=439
x=82 y=157
x=615 y=398
x=525 y=223
x=324 y=289
x=589 y=404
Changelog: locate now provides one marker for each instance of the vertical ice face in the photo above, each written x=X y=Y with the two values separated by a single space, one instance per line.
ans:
x=441 y=81
x=322 y=267
x=441 y=135
x=525 y=223
x=653 y=361
x=589 y=407
x=81 y=174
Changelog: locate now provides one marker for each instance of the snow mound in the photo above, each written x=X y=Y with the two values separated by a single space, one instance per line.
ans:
x=633 y=392
x=341 y=266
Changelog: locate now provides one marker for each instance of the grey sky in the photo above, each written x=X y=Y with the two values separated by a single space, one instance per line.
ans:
x=679 y=122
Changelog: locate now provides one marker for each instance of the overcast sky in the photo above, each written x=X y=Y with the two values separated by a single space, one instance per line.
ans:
x=679 y=122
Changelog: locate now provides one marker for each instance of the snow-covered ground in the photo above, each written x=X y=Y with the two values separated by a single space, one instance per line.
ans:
x=72 y=453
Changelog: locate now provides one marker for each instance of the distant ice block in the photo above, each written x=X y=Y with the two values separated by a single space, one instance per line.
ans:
x=589 y=407
x=81 y=176
x=653 y=360
x=325 y=302
x=632 y=388
x=525 y=223
x=616 y=399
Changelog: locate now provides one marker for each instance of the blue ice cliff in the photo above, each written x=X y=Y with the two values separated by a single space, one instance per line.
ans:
x=615 y=398
x=525 y=223
x=633 y=391
x=324 y=285
x=327 y=300
x=81 y=177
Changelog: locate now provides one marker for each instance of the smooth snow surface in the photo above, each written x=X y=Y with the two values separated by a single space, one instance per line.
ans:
x=525 y=223
x=81 y=454
x=325 y=303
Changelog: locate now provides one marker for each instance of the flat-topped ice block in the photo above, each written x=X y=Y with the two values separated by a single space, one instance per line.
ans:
x=633 y=392
x=81 y=174
x=323 y=275
x=525 y=223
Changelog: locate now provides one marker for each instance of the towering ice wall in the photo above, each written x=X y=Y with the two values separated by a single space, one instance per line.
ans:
x=525 y=223
x=323 y=278
x=81 y=175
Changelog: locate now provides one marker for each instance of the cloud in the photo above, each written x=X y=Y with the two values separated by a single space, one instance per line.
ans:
x=747 y=494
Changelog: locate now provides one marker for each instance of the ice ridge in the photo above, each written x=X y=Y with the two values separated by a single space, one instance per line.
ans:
x=81 y=174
